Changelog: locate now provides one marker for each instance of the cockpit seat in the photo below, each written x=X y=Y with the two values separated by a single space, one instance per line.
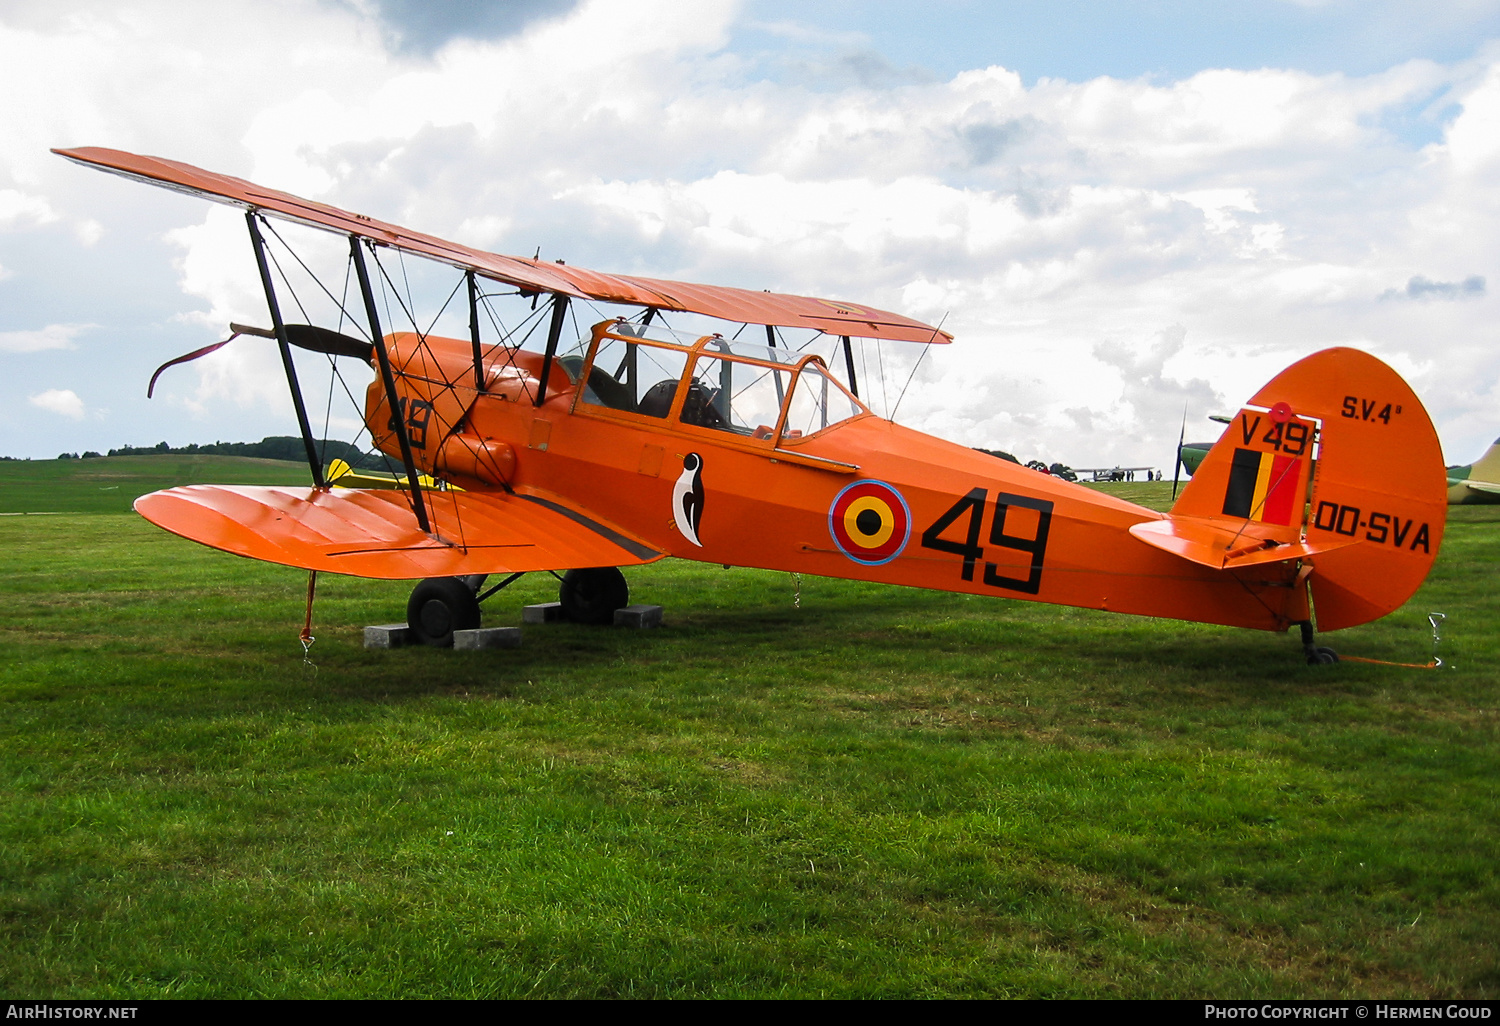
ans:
x=697 y=407
x=700 y=408
x=657 y=402
x=602 y=387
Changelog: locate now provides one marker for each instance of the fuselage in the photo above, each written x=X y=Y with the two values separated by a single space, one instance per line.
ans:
x=844 y=494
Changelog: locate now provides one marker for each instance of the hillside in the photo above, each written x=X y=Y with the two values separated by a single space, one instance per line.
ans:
x=109 y=484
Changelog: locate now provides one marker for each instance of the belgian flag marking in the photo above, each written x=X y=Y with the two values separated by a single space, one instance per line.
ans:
x=870 y=522
x=1263 y=486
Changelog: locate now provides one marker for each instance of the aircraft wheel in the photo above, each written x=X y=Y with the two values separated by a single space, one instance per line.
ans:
x=1322 y=656
x=592 y=595
x=438 y=607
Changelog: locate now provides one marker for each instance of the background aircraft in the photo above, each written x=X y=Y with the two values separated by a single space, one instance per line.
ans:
x=1114 y=473
x=1190 y=454
x=1479 y=482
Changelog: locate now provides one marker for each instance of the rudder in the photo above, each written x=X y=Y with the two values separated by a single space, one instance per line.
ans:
x=1378 y=483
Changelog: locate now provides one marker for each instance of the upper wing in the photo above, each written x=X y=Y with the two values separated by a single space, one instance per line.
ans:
x=370 y=533
x=731 y=304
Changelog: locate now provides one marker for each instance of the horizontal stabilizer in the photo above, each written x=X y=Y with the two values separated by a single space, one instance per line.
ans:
x=372 y=533
x=1226 y=544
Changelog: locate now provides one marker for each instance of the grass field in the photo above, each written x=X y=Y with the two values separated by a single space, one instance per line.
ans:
x=885 y=792
x=109 y=484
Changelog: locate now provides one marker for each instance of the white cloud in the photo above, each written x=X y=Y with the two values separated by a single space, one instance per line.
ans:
x=53 y=336
x=63 y=401
x=1089 y=242
x=21 y=210
x=17 y=208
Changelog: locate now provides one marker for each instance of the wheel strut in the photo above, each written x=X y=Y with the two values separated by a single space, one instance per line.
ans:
x=1317 y=655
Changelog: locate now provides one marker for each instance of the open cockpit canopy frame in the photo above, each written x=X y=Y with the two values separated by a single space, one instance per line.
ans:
x=764 y=393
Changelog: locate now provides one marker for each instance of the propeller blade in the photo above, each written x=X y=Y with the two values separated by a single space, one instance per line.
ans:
x=1177 y=467
x=189 y=358
x=314 y=340
x=325 y=340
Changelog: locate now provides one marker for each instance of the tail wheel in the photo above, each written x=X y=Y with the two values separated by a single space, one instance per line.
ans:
x=593 y=594
x=438 y=607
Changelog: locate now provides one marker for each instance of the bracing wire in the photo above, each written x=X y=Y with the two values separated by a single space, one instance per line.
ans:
x=343 y=311
x=348 y=272
x=916 y=365
x=405 y=280
x=292 y=291
x=909 y=377
x=864 y=373
x=535 y=318
x=287 y=283
x=573 y=316
x=445 y=306
x=333 y=374
x=408 y=307
x=333 y=367
x=344 y=317
x=409 y=312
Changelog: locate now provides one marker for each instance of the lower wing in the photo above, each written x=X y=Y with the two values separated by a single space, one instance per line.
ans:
x=372 y=533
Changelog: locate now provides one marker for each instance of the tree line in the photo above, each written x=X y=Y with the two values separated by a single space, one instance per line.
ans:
x=273 y=447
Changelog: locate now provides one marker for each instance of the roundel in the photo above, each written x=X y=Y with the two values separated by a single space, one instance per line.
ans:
x=870 y=522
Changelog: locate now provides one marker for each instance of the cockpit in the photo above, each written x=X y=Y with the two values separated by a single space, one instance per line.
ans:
x=708 y=381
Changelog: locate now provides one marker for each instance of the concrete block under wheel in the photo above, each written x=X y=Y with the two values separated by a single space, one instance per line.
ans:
x=488 y=637
x=543 y=612
x=390 y=635
x=638 y=616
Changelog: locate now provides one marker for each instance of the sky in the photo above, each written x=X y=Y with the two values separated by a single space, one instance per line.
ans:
x=1126 y=213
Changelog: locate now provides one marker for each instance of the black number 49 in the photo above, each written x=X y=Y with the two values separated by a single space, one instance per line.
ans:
x=973 y=504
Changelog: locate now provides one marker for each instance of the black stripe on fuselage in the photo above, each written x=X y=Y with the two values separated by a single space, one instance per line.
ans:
x=635 y=548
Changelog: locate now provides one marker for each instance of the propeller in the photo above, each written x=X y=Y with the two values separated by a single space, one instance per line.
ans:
x=1177 y=467
x=303 y=336
x=315 y=340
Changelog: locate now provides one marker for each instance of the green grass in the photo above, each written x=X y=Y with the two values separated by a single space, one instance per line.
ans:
x=109 y=484
x=886 y=792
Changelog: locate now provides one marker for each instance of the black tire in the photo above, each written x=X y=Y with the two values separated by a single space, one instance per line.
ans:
x=1322 y=656
x=438 y=607
x=593 y=594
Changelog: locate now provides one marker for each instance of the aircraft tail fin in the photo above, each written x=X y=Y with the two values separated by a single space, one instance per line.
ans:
x=1479 y=482
x=1334 y=462
x=1486 y=469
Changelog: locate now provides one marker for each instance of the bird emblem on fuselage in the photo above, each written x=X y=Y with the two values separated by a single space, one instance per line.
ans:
x=687 y=498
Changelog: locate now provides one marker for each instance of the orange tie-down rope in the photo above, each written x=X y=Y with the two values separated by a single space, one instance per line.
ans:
x=1386 y=662
x=1434 y=619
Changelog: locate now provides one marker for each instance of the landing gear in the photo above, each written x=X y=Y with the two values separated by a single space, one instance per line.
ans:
x=1317 y=655
x=438 y=607
x=593 y=594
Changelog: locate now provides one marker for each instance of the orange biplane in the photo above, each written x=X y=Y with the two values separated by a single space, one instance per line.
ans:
x=643 y=442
